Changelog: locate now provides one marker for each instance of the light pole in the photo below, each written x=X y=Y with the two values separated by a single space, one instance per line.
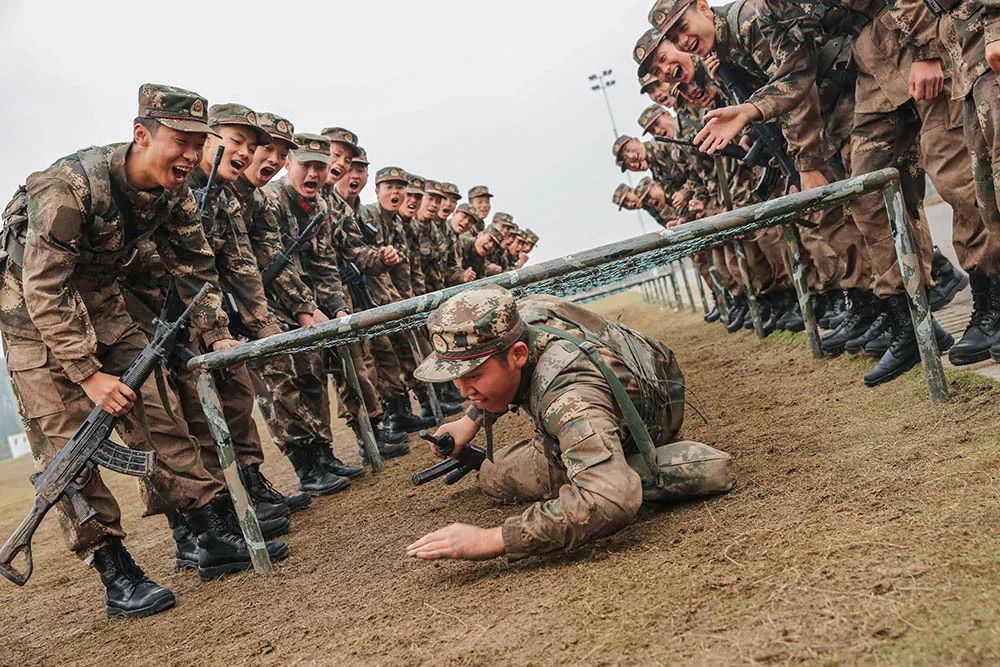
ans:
x=601 y=82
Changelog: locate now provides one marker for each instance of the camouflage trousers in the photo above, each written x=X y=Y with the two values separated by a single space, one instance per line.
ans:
x=364 y=365
x=981 y=251
x=403 y=344
x=720 y=258
x=767 y=269
x=300 y=408
x=236 y=394
x=387 y=367
x=53 y=408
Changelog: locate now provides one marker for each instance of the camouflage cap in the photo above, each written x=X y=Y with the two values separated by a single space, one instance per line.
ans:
x=361 y=157
x=175 y=108
x=532 y=237
x=468 y=329
x=503 y=220
x=387 y=174
x=340 y=135
x=415 y=185
x=451 y=190
x=643 y=187
x=311 y=148
x=434 y=188
x=479 y=191
x=470 y=211
x=647 y=81
x=644 y=49
x=665 y=14
x=619 y=196
x=494 y=232
x=649 y=116
x=616 y=149
x=237 y=114
x=280 y=129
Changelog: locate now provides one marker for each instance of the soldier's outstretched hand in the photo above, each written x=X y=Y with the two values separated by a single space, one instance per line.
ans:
x=723 y=125
x=459 y=541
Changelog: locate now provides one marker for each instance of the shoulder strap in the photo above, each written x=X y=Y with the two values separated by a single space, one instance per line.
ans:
x=733 y=18
x=636 y=427
x=95 y=166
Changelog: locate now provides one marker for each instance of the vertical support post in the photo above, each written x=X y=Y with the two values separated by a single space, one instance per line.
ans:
x=701 y=290
x=245 y=513
x=431 y=392
x=678 y=303
x=665 y=290
x=718 y=290
x=741 y=256
x=367 y=433
x=920 y=311
x=793 y=251
x=687 y=284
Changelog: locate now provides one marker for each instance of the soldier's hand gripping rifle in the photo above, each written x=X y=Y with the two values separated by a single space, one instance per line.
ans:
x=731 y=150
x=768 y=142
x=270 y=273
x=469 y=459
x=90 y=446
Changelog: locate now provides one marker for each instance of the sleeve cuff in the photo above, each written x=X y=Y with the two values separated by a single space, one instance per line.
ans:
x=809 y=162
x=767 y=109
x=78 y=371
x=513 y=539
x=992 y=28
x=926 y=52
x=475 y=414
x=216 y=334
x=269 y=330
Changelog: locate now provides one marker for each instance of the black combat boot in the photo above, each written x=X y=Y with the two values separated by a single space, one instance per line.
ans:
x=185 y=545
x=876 y=347
x=983 y=332
x=314 y=479
x=878 y=327
x=775 y=311
x=713 y=315
x=426 y=411
x=387 y=450
x=400 y=416
x=903 y=353
x=819 y=302
x=128 y=592
x=450 y=393
x=836 y=310
x=792 y=319
x=221 y=548
x=948 y=279
x=764 y=308
x=332 y=464
x=383 y=434
x=860 y=315
x=261 y=491
x=738 y=314
x=449 y=406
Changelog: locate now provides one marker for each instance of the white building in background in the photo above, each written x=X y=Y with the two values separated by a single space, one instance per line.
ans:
x=18 y=445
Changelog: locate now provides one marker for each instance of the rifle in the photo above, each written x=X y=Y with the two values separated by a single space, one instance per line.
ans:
x=90 y=446
x=732 y=150
x=469 y=459
x=205 y=195
x=270 y=274
x=768 y=140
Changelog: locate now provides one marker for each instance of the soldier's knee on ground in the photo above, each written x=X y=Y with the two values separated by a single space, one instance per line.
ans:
x=521 y=472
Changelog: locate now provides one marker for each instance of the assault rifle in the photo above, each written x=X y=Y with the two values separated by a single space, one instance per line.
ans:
x=205 y=195
x=768 y=142
x=90 y=446
x=270 y=273
x=469 y=459
x=732 y=150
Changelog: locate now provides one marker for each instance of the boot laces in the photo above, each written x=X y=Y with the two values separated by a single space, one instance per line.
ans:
x=262 y=487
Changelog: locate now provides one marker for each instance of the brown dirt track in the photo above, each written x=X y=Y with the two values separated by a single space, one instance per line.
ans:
x=862 y=530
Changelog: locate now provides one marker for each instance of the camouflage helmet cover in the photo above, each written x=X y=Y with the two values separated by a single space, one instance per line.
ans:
x=176 y=108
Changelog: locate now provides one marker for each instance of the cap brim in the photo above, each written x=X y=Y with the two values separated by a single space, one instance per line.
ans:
x=436 y=369
x=264 y=137
x=193 y=126
x=287 y=143
x=311 y=156
x=414 y=191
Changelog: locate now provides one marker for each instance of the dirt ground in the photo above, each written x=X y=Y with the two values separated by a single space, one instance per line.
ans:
x=862 y=530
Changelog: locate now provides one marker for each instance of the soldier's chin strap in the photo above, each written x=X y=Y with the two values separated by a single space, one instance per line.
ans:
x=636 y=427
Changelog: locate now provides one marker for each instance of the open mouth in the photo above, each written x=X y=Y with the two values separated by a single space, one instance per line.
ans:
x=310 y=185
x=394 y=201
x=237 y=165
x=180 y=173
x=267 y=172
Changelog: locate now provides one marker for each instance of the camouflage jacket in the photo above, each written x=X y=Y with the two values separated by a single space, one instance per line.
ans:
x=667 y=165
x=448 y=251
x=83 y=223
x=581 y=426
x=393 y=233
x=963 y=38
x=318 y=258
x=427 y=248
x=288 y=289
x=360 y=237
x=468 y=258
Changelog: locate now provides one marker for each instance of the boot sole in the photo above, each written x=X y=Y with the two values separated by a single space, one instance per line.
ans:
x=155 y=608
x=277 y=533
x=340 y=486
x=184 y=565
x=895 y=374
x=950 y=296
x=966 y=359
x=300 y=505
x=219 y=571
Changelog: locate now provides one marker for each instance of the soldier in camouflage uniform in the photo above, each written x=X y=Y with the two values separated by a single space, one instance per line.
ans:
x=658 y=121
x=474 y=254
x=393 y=353
x=451 y=198
x=146 y=286
x=343 y=169
x=426 y=237
x=67 y=234
x=461 y=222
x=584 y=467
x=970 y=35
x=300 y=415
x=480 y=198
x=505 y=223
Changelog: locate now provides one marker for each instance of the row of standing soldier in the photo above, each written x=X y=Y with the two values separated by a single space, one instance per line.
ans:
x=852 y=87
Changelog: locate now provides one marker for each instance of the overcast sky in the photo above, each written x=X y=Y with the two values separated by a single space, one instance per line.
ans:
x=464 y=91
